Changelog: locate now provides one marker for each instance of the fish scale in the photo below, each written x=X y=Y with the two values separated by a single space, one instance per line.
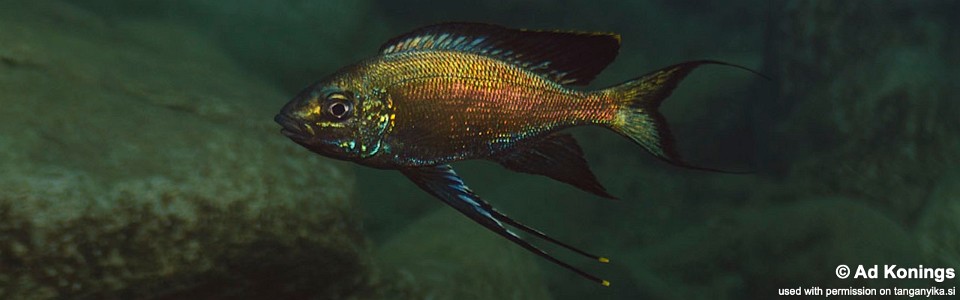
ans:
x=474 y=112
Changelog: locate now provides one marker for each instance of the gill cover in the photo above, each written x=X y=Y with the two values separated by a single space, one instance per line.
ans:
x=375 y=115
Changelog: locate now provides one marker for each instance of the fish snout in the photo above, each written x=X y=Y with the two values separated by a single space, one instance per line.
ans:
x=290 y=127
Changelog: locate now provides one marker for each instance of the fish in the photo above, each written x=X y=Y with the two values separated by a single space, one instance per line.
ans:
x=458 y=91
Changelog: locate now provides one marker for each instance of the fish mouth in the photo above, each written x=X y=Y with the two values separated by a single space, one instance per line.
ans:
x=291 y=128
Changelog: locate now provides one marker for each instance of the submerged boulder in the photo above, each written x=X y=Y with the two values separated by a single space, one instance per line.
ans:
x=733 y=255
x=139 y=162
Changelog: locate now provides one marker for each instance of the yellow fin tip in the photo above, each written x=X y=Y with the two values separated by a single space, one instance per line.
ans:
x=603 y=259
x=605 y=283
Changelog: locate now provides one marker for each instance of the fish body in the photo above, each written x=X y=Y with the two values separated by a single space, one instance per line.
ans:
x=448 y=106
x=461 y=91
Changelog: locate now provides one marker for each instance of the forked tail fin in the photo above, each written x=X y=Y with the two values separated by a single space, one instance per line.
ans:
x=638 y=117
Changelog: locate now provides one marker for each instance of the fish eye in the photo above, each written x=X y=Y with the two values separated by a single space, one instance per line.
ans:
x=338 y=109
x=339 y=106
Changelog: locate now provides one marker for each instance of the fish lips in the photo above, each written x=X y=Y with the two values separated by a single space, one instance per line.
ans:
x=291 y=128
x=298 y=133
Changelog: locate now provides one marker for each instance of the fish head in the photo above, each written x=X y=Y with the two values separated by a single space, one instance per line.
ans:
x=324 y=119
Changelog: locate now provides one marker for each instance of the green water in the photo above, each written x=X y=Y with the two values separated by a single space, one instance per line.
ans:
x=139 y=158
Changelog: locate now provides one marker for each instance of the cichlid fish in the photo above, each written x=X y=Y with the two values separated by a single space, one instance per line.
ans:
x=461 y=91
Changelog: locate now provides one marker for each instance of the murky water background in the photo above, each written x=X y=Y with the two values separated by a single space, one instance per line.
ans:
x=139 y=159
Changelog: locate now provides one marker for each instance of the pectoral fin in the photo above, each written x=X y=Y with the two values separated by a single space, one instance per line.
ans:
x=558 y=156
x=442 y=182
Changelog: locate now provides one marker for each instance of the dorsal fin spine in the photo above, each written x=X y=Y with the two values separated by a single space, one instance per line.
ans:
x=564 y=57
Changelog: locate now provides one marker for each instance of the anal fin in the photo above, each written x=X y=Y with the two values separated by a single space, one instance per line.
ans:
x=557 y=156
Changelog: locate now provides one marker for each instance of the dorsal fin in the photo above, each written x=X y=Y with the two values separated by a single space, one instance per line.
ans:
x=564 y=57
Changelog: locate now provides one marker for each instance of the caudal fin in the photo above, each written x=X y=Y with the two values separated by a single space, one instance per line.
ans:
x=638 y=117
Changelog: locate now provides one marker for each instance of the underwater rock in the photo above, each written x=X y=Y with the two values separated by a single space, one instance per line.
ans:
x=938 y=228
x=139 y=162
x=446 y=256
x=732 y=256
x=865 y=99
